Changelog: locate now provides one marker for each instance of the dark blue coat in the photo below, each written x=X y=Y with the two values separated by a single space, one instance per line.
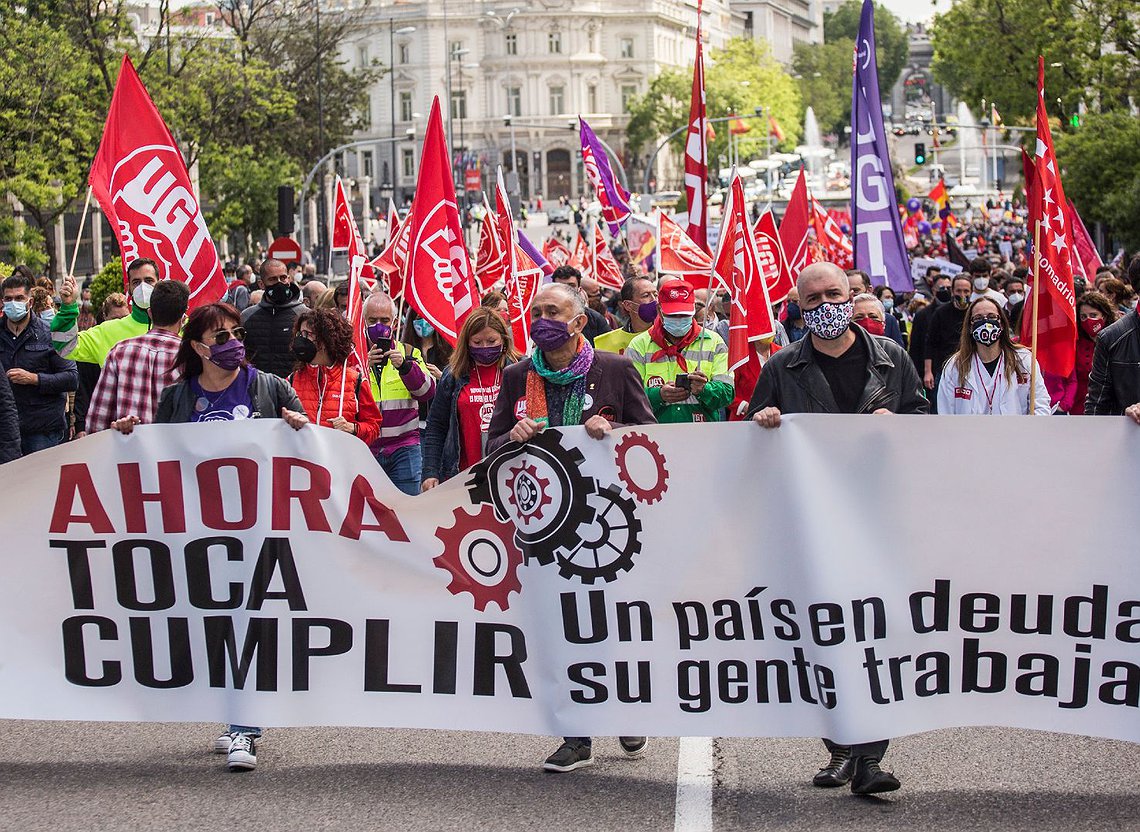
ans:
x=42 y=407
x=441 y=436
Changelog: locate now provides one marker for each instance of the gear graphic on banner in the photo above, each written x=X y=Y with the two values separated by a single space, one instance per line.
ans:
x=606 y=546
x=645 y=488
x=527 y=491
x=480 y=553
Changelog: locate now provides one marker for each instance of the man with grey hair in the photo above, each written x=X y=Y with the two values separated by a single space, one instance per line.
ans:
x=839 y=369
x=564 y=382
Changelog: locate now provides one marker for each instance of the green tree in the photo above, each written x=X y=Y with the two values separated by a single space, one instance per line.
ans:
x=107 y=282
x=244 y=184
x=738 y=79
x=1100 y=165
x=891 y=42
x=1095 y=45
x=822 y=68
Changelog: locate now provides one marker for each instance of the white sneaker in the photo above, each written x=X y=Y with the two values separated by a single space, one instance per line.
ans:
x=242 y=753
x=222 y=743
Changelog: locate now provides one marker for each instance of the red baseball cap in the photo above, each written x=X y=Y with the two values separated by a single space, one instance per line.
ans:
x=676 y=298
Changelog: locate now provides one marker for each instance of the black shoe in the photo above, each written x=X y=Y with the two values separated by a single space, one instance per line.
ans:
x=870 y=779
x=838 y=770
x=634 y=746
x=569 y=756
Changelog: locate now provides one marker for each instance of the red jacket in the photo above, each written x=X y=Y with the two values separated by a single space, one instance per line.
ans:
x=319 y=389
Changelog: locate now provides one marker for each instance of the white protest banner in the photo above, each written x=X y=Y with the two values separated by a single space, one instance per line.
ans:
x=919 y=265
x=716 y=580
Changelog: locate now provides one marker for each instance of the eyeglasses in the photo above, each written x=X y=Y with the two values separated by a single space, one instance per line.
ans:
x=992 y=319
x=223 y=335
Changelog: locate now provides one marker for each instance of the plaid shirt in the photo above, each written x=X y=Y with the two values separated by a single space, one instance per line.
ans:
x=135 y=373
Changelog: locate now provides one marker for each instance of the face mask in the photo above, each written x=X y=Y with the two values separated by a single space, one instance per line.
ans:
x=379 y=333
x=227 y=356
x=647 y=311
x=888 y=304
x=423 y=328
x=280 y=294
x=793 y=311
x=15 y=310
x=677 y=325
x=829 y=320
x=486 y=355
x=141 y=295
x=961 y=302
x=549 y=334
x=47 y=315
x=981 y=284
x=304 y=350
x=942 y=295
x=986 y=332
x=1016 y=297
x=1092 y=326
x=872 y=326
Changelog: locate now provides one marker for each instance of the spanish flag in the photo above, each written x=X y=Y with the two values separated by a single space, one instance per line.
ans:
x=942 y=199
x=774 y=129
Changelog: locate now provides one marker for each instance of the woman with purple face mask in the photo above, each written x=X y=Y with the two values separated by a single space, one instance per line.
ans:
x=456 y=433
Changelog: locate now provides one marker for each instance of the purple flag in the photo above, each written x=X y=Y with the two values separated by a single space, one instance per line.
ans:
x=613 y=197
x=878 y=238
x=534 y=254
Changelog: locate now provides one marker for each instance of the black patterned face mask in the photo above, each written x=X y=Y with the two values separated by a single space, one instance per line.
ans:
x=829 y=320
x=986 y=332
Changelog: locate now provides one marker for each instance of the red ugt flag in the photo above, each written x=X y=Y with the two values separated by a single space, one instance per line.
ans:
x=140 y=181
x=346 y=235
x=440 y=283
x=606 y=268
x=1056 y=303
x=794 y=228
x=770 y=255
x=521 y=273
x=679 y=254
x=697 y=152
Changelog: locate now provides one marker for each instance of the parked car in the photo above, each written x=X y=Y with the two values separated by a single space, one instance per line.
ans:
x=556 y=214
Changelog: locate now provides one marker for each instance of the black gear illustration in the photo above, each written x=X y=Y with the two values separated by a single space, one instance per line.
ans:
x=612 y=552
x=558 y=528
x=642 y=494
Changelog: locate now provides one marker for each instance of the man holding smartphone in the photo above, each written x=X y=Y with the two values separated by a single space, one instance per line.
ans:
x=683 y=365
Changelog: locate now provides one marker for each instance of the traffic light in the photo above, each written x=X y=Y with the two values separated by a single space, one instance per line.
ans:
x=920 y=153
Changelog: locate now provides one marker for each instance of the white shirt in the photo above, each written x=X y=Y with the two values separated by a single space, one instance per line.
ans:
x=983 y=393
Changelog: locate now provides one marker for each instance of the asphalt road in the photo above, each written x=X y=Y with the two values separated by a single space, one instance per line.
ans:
x=88 y=776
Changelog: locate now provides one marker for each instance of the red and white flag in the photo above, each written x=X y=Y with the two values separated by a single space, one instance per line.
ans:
x=140 y=181
x=738 y=266
x=582 y=258
x=347 y=236
x=1056 y=328
x=832 y=241
x=1084 y=248
x=521 y=273
x=491 y=263
x=441 y=284
x=393 y=260
x=606 y=268
x=679 y=254
x=794 y=227
x=393 y=222
x=697 y=151
x=773 y=264
x=555 y=252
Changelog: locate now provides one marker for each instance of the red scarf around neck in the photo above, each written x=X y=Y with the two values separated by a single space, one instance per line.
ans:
x=673 y=350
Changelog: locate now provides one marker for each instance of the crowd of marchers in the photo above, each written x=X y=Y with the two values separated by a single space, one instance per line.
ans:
x=279 y=345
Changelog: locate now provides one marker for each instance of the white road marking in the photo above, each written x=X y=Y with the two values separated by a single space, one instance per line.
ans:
x=695 y=764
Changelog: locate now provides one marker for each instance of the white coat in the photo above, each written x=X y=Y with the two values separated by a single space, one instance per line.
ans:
x=972 y=394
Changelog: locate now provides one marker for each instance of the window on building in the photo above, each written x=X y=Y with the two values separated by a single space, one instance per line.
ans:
x=455 y=48
x=512 y=41
x=627 y=47
x=405 y=53
x=459 y=103
x=408 y=160
x=557 y=100
x=514 y=101
x=554 y=43
x=405 y=106
x=628 y=93
x=366 y=116
x=367 y=164
x=362 y=59
x=592 y=98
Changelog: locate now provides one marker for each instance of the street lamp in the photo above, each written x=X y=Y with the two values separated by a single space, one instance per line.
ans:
x=392 y=32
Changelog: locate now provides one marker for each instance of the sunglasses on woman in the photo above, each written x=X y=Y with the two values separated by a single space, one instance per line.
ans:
x=223 y=335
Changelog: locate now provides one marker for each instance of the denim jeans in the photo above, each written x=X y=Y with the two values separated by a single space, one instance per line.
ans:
x=245 y=729
x=32 y=442
x=404 y=467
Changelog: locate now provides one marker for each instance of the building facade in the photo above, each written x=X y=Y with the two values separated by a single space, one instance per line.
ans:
x=782 y=23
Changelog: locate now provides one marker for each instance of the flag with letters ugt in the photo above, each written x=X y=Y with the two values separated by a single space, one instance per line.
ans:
x=140 y=181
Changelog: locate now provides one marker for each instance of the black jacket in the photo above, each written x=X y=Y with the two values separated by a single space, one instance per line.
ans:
x=1114 y=383
x=269 y=334
x=42 y=407
x=943 y=335
x=9 y=423
x=918 y=328
x=596 y=324
x=268 y=393
x=793 y=382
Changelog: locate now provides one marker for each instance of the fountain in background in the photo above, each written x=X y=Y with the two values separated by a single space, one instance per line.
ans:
x=971 y=163
x=813 y=153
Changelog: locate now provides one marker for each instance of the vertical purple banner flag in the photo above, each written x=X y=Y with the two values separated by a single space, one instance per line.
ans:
x=612 y=196
x=877 y=231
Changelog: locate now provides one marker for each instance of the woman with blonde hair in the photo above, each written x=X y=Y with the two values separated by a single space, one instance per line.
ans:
x=989 y=374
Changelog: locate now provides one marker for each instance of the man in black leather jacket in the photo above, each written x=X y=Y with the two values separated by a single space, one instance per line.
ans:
x=1114 y=384
x=269 y=325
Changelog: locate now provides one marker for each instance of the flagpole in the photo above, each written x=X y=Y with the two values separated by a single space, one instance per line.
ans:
x=1036 y=301
x=79 y=235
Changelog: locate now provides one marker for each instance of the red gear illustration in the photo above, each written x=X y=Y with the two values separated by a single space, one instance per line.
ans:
x=459 y=544
x=537 y=496
x=643 y=494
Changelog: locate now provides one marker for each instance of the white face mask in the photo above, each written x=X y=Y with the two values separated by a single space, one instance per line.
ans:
x=1016 y=297
x=981 y=284
x=141 y=295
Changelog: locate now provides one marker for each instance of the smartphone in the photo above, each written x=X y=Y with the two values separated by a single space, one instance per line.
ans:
x=682 y=380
